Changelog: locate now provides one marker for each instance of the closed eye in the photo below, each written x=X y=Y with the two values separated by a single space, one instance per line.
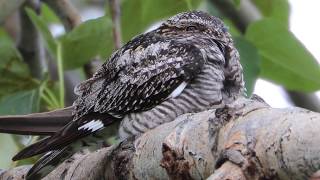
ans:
x=191 y=28
x=223 y=51
x=220 y=46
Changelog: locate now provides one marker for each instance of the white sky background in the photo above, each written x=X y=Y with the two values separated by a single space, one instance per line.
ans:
x=305 y=24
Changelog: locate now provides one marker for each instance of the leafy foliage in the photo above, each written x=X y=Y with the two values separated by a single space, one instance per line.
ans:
x=14 y=73
x=42 y=27
x=139 y=14
x=18 y=93
x=22 y=102
x=284 y=59
x=7 y=151
x=236 y=2
x=250 y=61
x=276 y=9
x=90 y=39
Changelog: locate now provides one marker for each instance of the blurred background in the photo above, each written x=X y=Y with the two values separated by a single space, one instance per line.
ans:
x=47 y=47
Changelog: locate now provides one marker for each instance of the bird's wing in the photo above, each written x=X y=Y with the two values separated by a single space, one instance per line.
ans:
x=145 y=77
x=139 y=76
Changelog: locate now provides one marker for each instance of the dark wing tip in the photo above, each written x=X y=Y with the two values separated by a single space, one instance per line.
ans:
x=48 y=163
x=31 y=150
x=22 y=155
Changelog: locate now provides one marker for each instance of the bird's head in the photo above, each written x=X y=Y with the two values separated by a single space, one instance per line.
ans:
x=196 y=24
x=211 y=35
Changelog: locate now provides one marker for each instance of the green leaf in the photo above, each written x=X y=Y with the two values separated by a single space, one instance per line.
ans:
x=236 y=2
x=48 y=15
x=5 y=38
x=139 y=14
x=23 y=102
x=14 y=73
x=277 y=9
x=233 y=30
x=89 y=39
x=250 y=61
x=7 y=150
x=42 y=27
x=284 y=59
x=189 y=4
x=211 y=9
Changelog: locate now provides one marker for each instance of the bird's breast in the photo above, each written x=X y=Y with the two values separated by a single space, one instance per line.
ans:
x=202 y=93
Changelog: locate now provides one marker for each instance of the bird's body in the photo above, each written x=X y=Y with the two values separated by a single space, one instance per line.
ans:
x=158 y=62
x=188 y=64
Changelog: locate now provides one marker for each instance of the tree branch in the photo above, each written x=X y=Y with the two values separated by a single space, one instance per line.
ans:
x=227 y=171
x=66 y=12
x=115 y=14
x=305 y=100
x=247 y=138
x=8 y=8
x=30 y=44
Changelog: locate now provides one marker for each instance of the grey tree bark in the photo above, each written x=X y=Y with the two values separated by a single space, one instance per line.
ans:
x=30 y=44
x=244 y=140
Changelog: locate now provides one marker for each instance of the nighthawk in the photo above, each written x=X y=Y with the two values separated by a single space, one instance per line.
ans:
x=187 y=64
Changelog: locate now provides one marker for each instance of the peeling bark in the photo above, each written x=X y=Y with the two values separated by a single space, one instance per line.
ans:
x=227 y=171
x=244 y=140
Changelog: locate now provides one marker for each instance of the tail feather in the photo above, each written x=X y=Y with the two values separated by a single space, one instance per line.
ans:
x=53 y=158
x=49 y=162
x=32 y=150
x=46 y=123
x=45 y=145
x=70 y=133
x=77 y=134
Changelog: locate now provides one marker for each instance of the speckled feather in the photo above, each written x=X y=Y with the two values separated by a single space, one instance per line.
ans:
x=190 y=54
x=143 y=72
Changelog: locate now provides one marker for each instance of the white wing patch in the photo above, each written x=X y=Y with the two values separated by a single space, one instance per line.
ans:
x=178 y=90
x=93 y=125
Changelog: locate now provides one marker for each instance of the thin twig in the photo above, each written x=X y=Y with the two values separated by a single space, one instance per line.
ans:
x=60 y=75
x=115 y=15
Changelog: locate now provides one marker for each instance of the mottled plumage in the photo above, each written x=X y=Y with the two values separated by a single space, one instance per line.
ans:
x=188 y=64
